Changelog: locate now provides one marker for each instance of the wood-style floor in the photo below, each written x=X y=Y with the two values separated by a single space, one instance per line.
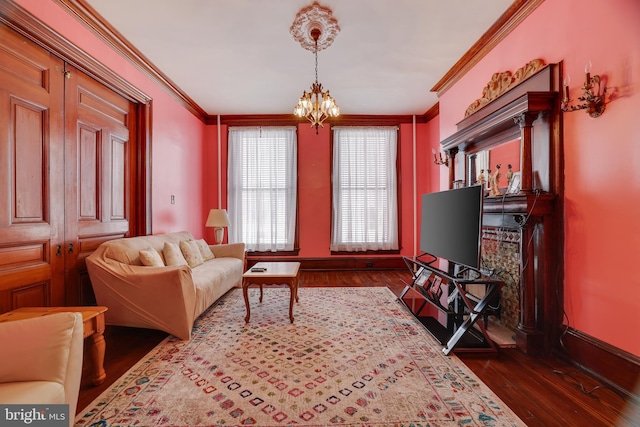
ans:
x=542 y=392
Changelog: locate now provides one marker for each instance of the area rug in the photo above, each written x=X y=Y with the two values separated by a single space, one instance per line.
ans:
x=353 y=357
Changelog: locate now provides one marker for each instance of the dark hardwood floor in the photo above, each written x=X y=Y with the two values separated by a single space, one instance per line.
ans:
x=543 y=392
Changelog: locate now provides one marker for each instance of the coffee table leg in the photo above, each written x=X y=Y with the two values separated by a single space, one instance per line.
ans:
x=97 y=347
x=245 y=285
x=292 y=289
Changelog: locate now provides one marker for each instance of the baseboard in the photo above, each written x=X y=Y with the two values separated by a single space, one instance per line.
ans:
x=612 y=366
x=339 y=262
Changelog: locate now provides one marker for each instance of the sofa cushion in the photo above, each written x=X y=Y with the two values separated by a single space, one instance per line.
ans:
x=205 y=250
x=191 y=253
x=151 y=258
x=214 y=278
x=127 y=250
x=173 y=254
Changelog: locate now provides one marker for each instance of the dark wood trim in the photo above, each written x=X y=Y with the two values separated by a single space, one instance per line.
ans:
x=92 y=20
x=255 y=120
x=143 y=175
x=40 y=33
x=432 y=113
x=507 y=22
x=291 y=120
x=615 y=367
x=339 y=263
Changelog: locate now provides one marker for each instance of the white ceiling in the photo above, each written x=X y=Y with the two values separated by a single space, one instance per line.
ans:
x=238 y=57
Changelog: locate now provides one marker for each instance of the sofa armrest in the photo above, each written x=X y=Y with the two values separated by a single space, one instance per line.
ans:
x=42 y=349
x=146 y=297
x=234 y=250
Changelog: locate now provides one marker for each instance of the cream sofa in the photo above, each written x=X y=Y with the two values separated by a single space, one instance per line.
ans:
x=168 y=298
x=41 y=361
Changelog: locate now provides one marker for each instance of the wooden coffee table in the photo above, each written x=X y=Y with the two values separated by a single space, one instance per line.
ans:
x=93 y=325
x=276 y=273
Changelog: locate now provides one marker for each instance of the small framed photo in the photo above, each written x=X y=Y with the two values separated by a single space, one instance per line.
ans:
x=514 y=185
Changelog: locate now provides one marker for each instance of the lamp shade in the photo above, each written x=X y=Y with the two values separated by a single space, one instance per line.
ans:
x=217 y=218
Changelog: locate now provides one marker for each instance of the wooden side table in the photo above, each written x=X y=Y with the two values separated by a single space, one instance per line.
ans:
x=93 y=325
x=275 y=273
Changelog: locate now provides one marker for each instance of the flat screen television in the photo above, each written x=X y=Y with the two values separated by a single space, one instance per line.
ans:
x=451 y=225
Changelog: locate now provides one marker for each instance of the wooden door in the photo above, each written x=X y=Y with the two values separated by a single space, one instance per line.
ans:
x=31 y=174
x=67 y=155
x=99 y=156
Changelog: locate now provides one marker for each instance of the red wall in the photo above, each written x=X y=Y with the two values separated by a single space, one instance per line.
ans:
x=602 y=156
x=314 y=186
x=177 y=135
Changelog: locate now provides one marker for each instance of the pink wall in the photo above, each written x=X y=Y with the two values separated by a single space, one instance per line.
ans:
x=602 y=182
x=177 y=135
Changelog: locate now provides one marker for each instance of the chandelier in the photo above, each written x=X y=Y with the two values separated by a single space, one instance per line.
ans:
x=316 y=105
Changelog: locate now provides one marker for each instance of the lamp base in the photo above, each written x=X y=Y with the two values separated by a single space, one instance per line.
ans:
x=219 y=234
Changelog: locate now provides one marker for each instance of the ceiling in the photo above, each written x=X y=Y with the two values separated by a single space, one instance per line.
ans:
x=237 y=57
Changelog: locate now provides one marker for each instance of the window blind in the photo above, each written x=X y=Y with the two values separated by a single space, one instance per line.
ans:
x=364 y=211
x=262 y=187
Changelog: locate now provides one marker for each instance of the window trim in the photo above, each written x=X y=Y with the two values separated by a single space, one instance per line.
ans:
x=372 y=123
x=296 y=237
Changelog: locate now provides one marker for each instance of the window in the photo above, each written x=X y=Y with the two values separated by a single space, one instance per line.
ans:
x=364 y=207
x=262 y=187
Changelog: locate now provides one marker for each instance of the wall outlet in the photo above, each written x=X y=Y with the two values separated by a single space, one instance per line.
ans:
x=173 y=199
x=369 y=264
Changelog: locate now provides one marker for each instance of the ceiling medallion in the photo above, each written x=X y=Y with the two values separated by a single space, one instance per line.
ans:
x=314 y=17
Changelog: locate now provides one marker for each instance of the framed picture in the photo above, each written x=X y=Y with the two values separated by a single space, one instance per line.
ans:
x=514 y=185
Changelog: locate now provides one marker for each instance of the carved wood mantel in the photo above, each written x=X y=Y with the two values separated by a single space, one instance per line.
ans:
x=525 y=108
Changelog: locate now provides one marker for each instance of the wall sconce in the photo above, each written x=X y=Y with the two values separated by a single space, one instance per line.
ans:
x=591 y=100
x=438 y=159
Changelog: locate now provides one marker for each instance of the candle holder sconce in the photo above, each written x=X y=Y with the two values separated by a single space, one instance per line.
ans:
x=438 y=159
x=592 y=98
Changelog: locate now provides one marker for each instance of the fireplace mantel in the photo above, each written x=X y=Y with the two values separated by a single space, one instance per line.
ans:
x=528 y=112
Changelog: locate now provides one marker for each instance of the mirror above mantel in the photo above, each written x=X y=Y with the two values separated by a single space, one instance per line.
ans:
x=515 y=107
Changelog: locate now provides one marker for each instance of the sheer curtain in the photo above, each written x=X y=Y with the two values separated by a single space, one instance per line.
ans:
x=262 y=187
x=364 y=211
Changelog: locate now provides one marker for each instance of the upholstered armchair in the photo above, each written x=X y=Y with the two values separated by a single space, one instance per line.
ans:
x=41 y=360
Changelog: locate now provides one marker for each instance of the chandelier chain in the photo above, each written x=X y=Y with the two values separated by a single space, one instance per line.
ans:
x=316 y=52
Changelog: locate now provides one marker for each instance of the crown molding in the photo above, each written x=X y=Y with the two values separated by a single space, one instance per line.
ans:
x=507 y=22
x=432 y=112
x=92 y=20
x=291 y=120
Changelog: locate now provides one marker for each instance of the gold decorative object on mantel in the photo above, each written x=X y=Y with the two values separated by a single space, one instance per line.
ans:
x=502 y=82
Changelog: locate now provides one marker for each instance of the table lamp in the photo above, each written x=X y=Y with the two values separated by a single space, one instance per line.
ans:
x=218 y=219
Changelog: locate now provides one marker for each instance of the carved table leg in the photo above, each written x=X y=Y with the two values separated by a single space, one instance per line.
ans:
x=97 y=348
x=245 y=285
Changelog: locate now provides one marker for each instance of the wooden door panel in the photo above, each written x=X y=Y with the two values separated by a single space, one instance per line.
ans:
x=97 y=126
x=29 y=176
x=88 y=182
x=31 y=173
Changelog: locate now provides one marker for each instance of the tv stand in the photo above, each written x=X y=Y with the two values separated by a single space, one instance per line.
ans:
x=449 y=294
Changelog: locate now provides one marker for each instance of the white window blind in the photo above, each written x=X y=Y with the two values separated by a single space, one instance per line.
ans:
x=365 y=214
x=262 y=187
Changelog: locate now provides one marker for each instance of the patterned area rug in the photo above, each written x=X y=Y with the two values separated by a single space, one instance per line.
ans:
x=354 y=356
